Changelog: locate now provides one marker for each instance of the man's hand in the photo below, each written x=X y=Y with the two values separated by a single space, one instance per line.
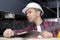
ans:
x=8 y=33
x=46 y=34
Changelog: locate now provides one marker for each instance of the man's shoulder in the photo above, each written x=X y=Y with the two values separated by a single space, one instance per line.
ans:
x=50 y=23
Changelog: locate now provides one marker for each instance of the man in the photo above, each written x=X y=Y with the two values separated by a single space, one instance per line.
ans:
x=34 y=12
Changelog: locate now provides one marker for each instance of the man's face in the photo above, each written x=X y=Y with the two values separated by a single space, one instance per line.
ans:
x=31 y=14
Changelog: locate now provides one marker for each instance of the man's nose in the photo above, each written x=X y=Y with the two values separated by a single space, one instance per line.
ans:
x=27 y=15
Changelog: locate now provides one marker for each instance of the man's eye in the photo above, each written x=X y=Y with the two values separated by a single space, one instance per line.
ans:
x=29 y=12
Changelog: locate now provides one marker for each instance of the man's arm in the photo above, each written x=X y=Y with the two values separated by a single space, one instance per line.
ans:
x=9 y=32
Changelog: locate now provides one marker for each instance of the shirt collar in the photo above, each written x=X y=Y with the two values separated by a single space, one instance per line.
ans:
x=42 y=22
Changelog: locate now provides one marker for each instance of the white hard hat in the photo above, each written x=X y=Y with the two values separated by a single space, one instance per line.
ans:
x=33 y=5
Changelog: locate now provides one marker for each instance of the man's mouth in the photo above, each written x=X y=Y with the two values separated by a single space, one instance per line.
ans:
x=29 y=18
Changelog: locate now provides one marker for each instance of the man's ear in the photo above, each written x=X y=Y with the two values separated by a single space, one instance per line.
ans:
x=38 y=13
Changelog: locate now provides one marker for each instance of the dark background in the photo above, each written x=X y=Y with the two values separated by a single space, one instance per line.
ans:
x=16 y=7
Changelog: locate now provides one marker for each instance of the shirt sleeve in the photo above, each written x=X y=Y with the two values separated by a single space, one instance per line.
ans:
x=19 y=32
